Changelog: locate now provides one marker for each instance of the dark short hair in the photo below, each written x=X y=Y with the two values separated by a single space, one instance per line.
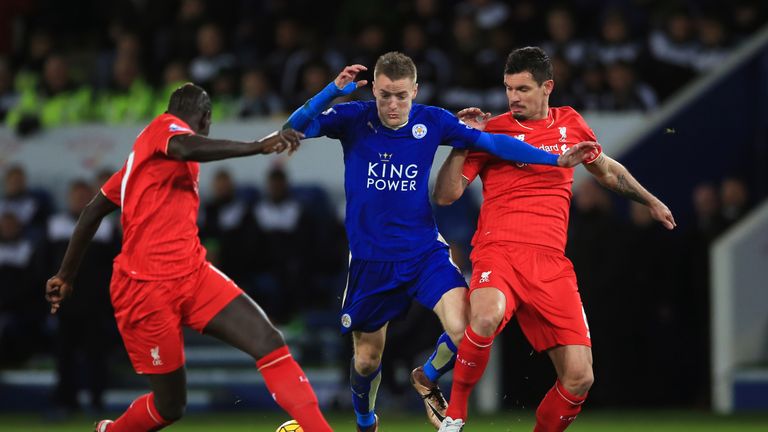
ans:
x=189 y=99
x=530 y=59
x=395 y=65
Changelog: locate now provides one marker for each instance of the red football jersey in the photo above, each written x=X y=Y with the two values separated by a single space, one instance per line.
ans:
x=158 y=196
x=528 y=203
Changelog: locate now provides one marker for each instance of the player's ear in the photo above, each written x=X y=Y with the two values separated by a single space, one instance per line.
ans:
x=549 y=85
x=415 y=89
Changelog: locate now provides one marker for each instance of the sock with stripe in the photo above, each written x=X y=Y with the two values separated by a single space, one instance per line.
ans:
x=471 y=360
x=291 y=390
x=141 y=416
x=442 y=359
x=558 y=409
x=364 y=389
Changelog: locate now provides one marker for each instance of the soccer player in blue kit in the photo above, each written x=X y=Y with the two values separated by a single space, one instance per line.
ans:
x=396 y=251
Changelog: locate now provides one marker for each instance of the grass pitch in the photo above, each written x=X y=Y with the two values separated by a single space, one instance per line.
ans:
x=589 y=421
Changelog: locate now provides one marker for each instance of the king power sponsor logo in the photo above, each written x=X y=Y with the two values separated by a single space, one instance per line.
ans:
x=387 y=175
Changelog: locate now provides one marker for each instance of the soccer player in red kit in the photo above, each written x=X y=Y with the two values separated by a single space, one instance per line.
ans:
x=161 y=280
x=518 y=261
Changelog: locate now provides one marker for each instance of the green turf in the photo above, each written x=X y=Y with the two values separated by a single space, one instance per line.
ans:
x=595 y=421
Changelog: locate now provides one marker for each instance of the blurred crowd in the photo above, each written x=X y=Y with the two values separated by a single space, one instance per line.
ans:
x=117 y=61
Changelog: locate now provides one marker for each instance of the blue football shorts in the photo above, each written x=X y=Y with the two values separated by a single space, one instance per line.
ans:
x=380 y=291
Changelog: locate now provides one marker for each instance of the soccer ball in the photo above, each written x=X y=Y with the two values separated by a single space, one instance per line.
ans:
x=290 y=426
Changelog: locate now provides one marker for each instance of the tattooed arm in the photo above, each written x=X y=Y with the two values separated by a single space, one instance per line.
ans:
x=617 y=178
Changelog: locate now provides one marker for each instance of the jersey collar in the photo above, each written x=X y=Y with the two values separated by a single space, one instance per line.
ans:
x=544 y=123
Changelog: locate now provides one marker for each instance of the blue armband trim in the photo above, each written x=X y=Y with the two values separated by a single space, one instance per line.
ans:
x=512 y=149
x=302 y=118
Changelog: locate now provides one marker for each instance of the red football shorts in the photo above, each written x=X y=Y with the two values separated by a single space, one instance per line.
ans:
x=150 y=314
x=540 y=287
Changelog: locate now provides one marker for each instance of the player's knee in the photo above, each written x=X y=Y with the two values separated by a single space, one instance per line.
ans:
x=485 y=324
x=272 y=340
x=367 y=363
x=455 y=331
x=172 y=410
x=578 y=382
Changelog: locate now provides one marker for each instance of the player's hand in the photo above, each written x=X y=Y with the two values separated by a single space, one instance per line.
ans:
x=578 y=153
x=56 y=290
x=663 y=214
x=474 y=117
x=280 y=141
x=347 y=76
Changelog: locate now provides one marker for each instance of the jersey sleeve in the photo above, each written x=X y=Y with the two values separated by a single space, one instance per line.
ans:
x=587 y=135
x=111 y=189
x=473 y=164
x=168 y=128
x=335 y=121
x=455 y=132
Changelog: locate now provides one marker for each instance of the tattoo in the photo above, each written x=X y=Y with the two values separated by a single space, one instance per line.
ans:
x=626 y=189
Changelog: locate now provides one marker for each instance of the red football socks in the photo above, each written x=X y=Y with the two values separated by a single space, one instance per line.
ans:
x=291 y=389
x=471 y=359
x=558 y=409
x=141 y=416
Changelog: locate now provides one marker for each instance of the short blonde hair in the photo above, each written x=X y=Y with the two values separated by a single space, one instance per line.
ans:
x=395 y=65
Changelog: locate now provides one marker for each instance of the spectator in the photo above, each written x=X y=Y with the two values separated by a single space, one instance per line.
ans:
x=31 y=208
x=258 y=99
x=211 y=56
x=281 y=230
x=566 y=87
x=616 y=42
x=734 y=197
x=56 y=101
x=709 y=221
x=224 y=95
x=288 y=40
x=38 y=49
x=489 y=14
x=226 y=226
x=179 y=39
x=22 y=308
x=590 y=89
x=174 y=76
x=713 y=44
x=625 y=93
x=432 y=64
x=671 y=48
x=465 y=90
x=87 y=331
x=562 y=41
x=129 y=98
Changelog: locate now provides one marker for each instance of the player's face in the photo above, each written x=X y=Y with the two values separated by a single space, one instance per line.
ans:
x=527 y=99
x=394 y=99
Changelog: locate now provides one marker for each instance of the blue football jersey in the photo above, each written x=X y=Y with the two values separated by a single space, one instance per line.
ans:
x=386 y=178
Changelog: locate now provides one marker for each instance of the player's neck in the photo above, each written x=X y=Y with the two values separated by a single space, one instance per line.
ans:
x=392 y=127
x=541 y=115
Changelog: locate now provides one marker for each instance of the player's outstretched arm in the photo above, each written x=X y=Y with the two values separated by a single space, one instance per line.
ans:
x=614 y=176
x=59 y=286
x=514 y=150
x=203 y=149
x=450 y=184
x=303 y=119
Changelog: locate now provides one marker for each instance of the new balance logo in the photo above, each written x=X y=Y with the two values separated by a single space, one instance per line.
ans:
x=568 y=419
x=155 y=353
x=485 y=277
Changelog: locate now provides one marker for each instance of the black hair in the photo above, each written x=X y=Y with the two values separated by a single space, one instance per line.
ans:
x=189 y=99
x=530 y=59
